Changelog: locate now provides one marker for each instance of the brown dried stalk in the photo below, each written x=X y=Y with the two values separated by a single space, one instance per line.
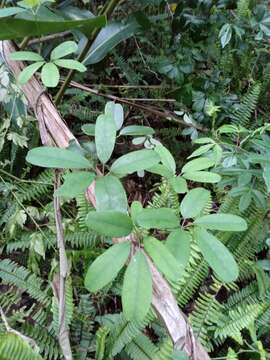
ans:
x=54 y=131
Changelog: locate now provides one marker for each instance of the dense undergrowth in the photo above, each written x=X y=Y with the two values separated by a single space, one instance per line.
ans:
x=197 y=75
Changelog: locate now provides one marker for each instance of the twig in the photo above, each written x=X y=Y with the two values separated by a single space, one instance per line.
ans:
x=63 y=335
x=168 y=115
x=149 y=100
x=49 y=38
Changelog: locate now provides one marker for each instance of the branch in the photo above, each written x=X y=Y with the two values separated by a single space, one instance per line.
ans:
x=60 y=290
x=168 y=115
x=57 y=131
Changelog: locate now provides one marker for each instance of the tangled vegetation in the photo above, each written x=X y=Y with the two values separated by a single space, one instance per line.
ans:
x=137 y=228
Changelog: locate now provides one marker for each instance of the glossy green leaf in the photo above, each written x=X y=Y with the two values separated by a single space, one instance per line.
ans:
x=179 y=184
x=25 y=56
x=75 y=184
x=162 y=218
x=225 y=34
x=110 y=194
x=53 y=157
x=106 y=267
x=108 y=38
x=109 y=223
x=137 y=130
x=89 y=129
x=217 y=255
x=117 y=113
x=70 y=64
x=135 y=161
x=161 y=170
x=28 y=72
x=163 y=259
x=202 y=176
x=64 y=49
x=135 y=208
x=12 y=28
x=50 y=75
x=178 y=243
x=194 y=202
x=105 y=136
x=9 y=11
x=202 y=150
x=223 y=222
x=166 y=158
x=137 y=288
x=197 y=165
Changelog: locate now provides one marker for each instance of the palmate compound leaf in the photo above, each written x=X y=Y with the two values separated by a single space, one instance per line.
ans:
x=109 y=223
x=194 y=202
x=223 y=222
x=106 y=267
x=163 y=259
x=110 y=194
x=105 y=136
x=53 y=157
x=217 y=255
x=137 y=288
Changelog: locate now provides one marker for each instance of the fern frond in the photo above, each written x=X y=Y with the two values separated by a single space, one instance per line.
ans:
x=101 y=336
x=141 y=348
x=165 y=351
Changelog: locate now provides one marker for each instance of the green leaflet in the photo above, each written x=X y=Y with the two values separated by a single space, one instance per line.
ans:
x=116 y=111
x=75 y=184
x=178 y=184
x=197 y=165
x=202 y=176
x=162 y=218
x=14 y=28
x=50 y=75
x=105 y=136
x=29 y=71
x=194 y=202
x=217 y=255
x=110 y=194
x=166 y=158
x=178 y=243
x=106 y=267
x=137 y=288
x=163 y=258
x=223 y=222
x=135 y=161
x=53 y=157
x=137 y=130
x=110 y=223
x=64 y=49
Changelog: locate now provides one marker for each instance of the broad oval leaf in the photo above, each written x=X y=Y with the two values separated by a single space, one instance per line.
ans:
x=25 y=56
x=178 y=243
x=166 y=158
x=163 y=259
x=64 y=49
x=198 y=164
x=70 y=64
x=162 y=218
x=106 y=267
x=137 y=288
x=217 y=255
x=50 y=75
x=89 y=129
x=110 y=194
x=105 y=136
x=53 y=157
x=109 y=223
x=161 y=170
x=223 y=222
x=225 y=34
x=28 y=72
x=135 y=161
x=108 y=38
x=194 y=202
x=178 y=184
x=117 y=113
x=13 y=28
x=75 y=184
x=137 y=130
x=202 y=176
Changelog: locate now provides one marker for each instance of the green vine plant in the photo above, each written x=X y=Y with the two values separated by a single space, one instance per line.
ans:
x=50 y=75
x=138 y=232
